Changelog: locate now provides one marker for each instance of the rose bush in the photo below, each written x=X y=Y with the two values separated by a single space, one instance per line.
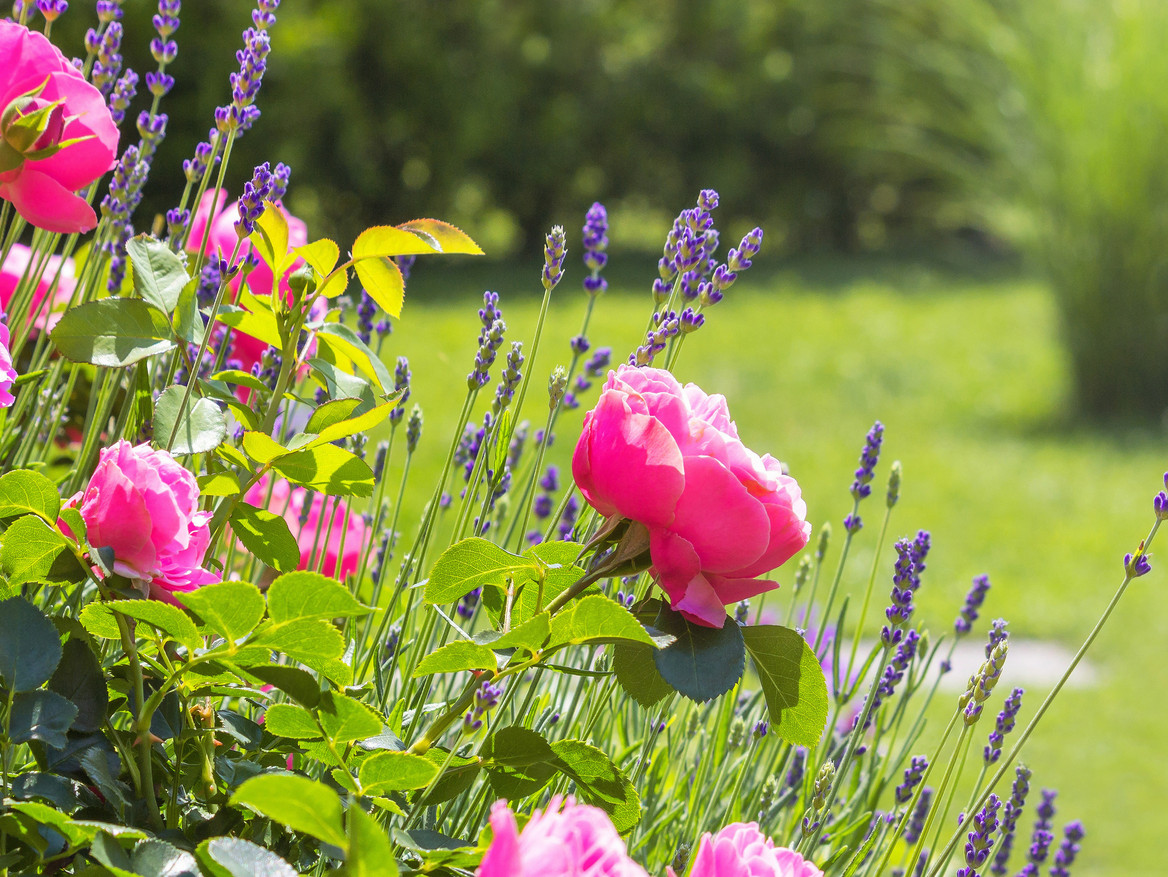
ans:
x=56 y=133
x=144 y=507
x=719 y=516
x=741 y=850
x=575 y=841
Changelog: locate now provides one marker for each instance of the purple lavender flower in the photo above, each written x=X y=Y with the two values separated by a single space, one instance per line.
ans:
x=413 y=429
x=468 y=603
x=998 y=634
x=901 y=607
x=981 y=839
x=853 y=524
x=486 y=698
x=241 y=113
x=401 y=381
x=366 y=311
x=251 y=203
x=568 y=519
x=177 y=222
x=194 y=168
x=1136 y=565
x=916 y=824
x=509 y=379
x=108 y=63
x=1003 y=726
x=554 y=251
x=595 y=244
x=1010 y=816
x=1068 y=849
x=122 y=94
x=869 y=456
x=973 y=602
x=281 y=176
x=1043 y=837
x=52 y=9
x=912 y=778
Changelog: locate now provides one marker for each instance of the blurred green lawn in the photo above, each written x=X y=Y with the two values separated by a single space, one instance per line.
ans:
x=967 y=375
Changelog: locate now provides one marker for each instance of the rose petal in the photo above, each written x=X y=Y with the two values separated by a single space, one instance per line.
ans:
x=717 y=515
x=45 y=203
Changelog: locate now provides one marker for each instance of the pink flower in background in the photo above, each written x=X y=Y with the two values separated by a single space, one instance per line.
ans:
x=7 y=372
x=45 y=314
x=576 y=841
x=741 y=850
x=144 y=507
x=326 y=514
x=218 y=237
x=37 y=178
x=719 y=515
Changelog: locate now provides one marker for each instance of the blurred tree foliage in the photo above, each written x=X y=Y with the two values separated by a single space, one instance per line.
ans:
x=815 y=119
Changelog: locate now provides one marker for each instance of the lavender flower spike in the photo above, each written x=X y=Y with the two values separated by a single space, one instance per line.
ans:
x=251 y=203
x=1068 y=849
x=981 y=839
x=1010 y=815
x=595 y=244
x=554 y=251
x=973 y=602
x=869 y=456
x=1004 y=725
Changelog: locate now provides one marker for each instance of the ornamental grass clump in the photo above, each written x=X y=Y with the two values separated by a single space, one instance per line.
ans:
x=228 y=645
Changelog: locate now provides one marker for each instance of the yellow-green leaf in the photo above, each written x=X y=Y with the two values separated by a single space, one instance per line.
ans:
x=322 y=255
x=442 y=236
x=383 y=281
x=386 y=240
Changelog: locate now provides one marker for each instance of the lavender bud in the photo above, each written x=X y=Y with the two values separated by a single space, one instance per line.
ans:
x=973 y=602
x=554 y=251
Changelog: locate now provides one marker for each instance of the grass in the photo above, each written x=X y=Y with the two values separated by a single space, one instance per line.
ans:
x=967 y=374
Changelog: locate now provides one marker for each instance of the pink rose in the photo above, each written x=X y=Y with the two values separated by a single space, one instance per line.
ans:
x=45 y=314
x=577 y=841
x=719 y=516
x=35 y=175
x=741 y=850
x=7 y=372
x=144 y=506
x=327 y=514
x=220 y=240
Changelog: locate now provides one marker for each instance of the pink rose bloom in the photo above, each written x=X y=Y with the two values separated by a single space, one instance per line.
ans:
x=741 y=850
x=37 y=178
x=46 y=313
x=577 y=841
x=328 y=514
x=7 y=372
x=145 y=507
x=719 y=516
x=220 y=242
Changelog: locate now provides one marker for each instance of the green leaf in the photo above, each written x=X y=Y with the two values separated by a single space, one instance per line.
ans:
x=98 y=621
x=475 y=563
x=236 y=857
x=383 y=280
x=30 y=648
x=266 y=535
x=303 y=594
x=188 y=323
x=443 y=237
x=316 y=644
x=363 y=421
x=518 y=761
x=112 y=332
x=596 y=619
x=270 y=237
x=80 y=679
x=40 y=715
x=322 y=255
x=633 y=665
x=23 y=491
x=388 y=772
x=327 y=469
x=294 y=682
x=259 y=324
x=342 y=385
x=30 y=548
x=370 y=852
x=231 y=609
x=330 y=413
x=219 y=484
x=159 y=274
x=297 y=802
x=387 y=240
x=600 y=782
x=560 y=571
x=289 y=720
x=202 y=427
x=341 y=339
x=455 y=656
x=170 y=620
x=703 y=662
x=792 y=682
x=530 y=635
x=157 y=858
x=261 y=447
x=458 y=775
x=346 y=719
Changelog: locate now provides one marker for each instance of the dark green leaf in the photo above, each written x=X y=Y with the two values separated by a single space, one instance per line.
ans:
x=157 y=858
x=231 y=609
x=289 y=720
x=600 y=782
x=342 y=340
x=23 y=491
x=40 y=715
x=297 y=802
x=266 y=535
x=30 y=548
x=458 y=775
x=80 y=680
x=201 y=428
x=64 y=794
x=242 y=730
x=637 y=673
x=303 y=594
x=29 y=646
x=296 y=683
x=236 y=857
x=703 y=662
x=518 y=761
x=159 y=274
x=188 y=324
x=391 y=771
x=475 y=563
x=112 y=332
x=370 y=852
x=342 y=385
x=792 y=682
